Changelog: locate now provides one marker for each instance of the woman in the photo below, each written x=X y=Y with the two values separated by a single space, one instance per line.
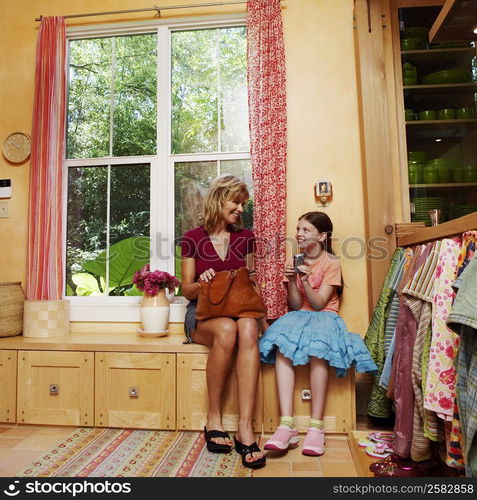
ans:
x=221 y=243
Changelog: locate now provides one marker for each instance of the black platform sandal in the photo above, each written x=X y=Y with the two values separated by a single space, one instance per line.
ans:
x=244 y=450
x=214 y=447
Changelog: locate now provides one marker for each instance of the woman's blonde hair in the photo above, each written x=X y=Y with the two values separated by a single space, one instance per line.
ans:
x=224 y=188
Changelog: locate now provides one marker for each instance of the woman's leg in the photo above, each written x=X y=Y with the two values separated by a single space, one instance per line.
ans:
x=220 y=334
x=319 y=386
x=285 y=374
x=247 y=370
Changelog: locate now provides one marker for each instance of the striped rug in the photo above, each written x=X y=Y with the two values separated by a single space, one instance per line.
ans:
x=98 y=452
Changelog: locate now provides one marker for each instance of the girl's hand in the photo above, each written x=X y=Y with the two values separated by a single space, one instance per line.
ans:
x=207 y=275
x=305 y=272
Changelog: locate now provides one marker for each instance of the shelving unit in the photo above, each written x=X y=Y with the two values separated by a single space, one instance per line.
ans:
x=454 y=140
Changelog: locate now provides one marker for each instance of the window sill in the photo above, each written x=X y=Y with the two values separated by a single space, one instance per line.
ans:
x=118 y=309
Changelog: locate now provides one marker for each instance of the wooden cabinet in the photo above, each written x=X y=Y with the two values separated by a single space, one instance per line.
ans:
x=339 y=415
x=126 y=381
x=55 y=388
x=192 y=396
x=135 y=390
x=8 y=385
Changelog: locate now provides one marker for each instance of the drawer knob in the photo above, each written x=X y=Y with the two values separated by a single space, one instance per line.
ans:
x=54 y=389
x=133 y=392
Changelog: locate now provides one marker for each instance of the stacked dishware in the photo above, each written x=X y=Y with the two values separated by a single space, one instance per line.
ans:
x=416 y=163
x=456 y=211
x=423 y=204
x=437 y=170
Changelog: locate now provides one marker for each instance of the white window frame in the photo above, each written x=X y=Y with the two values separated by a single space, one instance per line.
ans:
x=125 y=309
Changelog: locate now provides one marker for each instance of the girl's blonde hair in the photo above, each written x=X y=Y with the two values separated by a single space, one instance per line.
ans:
x=224 y=188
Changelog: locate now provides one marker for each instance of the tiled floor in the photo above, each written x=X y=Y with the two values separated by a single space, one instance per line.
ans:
x=21 y=444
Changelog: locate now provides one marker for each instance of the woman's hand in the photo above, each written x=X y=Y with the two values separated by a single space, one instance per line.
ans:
x=207 y=275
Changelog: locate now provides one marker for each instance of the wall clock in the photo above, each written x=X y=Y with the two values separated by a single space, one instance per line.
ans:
x=17 y=147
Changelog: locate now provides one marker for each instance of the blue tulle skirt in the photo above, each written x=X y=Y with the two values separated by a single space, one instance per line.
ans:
x=300 y=335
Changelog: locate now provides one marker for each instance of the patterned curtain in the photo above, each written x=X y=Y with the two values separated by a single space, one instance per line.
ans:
x=45 y=276
x=268 y=143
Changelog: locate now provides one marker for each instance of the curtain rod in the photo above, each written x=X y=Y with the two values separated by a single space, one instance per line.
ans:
x=155 y=8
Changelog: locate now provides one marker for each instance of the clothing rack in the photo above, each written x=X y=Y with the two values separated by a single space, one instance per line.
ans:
x=451 y=228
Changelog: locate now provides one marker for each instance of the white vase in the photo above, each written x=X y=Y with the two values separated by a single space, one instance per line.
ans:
x=154 y=313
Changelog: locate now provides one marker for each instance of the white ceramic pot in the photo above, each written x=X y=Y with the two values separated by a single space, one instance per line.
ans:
x=154 y=313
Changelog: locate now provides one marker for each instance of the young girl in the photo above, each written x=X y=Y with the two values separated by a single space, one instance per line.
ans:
x=312 y=332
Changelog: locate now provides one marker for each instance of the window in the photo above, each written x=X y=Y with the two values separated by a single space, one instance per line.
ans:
x=153 y=117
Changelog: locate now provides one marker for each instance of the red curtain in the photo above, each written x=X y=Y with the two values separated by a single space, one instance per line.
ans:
x=45 y=276
x=268 y=145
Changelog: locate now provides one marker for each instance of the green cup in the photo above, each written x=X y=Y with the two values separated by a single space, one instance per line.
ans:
x=465 y=113
x=446 y=114
x=409 y=115
x=415 y=170
x=469 y=173
x=419 y=156
x=457 y=173
x=431 y=174
x=428 y=114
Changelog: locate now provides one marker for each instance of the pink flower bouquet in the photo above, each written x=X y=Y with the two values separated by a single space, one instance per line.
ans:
x=150 y=282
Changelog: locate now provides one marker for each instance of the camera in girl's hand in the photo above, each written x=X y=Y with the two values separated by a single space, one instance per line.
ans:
x=298 y=260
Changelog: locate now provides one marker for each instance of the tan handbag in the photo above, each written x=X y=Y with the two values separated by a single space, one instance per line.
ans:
x=229 y=294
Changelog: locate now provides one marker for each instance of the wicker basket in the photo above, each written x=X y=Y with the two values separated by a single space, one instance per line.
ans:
x=11 y=309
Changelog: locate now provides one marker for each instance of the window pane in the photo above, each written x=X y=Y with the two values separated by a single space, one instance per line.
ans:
x=86 y=225
x=192 y=179
x=233 y=89
x=243 y=170
x=89 y=98
x=209 y=98
x=129 y=65
x=135 y=81
x=130 y=205
x=128 y=237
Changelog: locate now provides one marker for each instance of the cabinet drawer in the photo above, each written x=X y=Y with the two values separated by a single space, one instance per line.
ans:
x=55 y=388
x=135 y=390
x=192 y=401
x=8 y=386
x=339 y=414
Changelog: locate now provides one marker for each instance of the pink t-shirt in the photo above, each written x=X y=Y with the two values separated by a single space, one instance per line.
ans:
x=197 y=244
x=327 y=271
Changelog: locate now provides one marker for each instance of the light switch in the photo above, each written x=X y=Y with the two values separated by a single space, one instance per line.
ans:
x=4 y=210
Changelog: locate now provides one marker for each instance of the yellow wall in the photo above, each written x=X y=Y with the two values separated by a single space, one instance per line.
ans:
x=323 y=127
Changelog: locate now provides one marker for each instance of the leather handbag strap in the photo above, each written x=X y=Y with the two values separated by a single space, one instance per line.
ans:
x=230 y=280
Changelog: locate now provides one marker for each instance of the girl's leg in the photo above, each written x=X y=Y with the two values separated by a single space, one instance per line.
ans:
x=314 y=443
x=285 y=435
x=318 y=385
x=220 y=334
x=285 y=374
x=247 y=371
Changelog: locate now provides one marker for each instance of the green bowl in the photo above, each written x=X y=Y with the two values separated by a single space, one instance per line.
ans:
x=412 y=44
x=447 y=76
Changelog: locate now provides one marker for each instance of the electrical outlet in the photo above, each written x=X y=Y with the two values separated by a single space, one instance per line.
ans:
x=306 y=394
x=4 y=210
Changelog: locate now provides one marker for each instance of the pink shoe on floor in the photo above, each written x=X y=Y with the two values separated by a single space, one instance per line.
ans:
x=314 y=444
x=282 y=439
